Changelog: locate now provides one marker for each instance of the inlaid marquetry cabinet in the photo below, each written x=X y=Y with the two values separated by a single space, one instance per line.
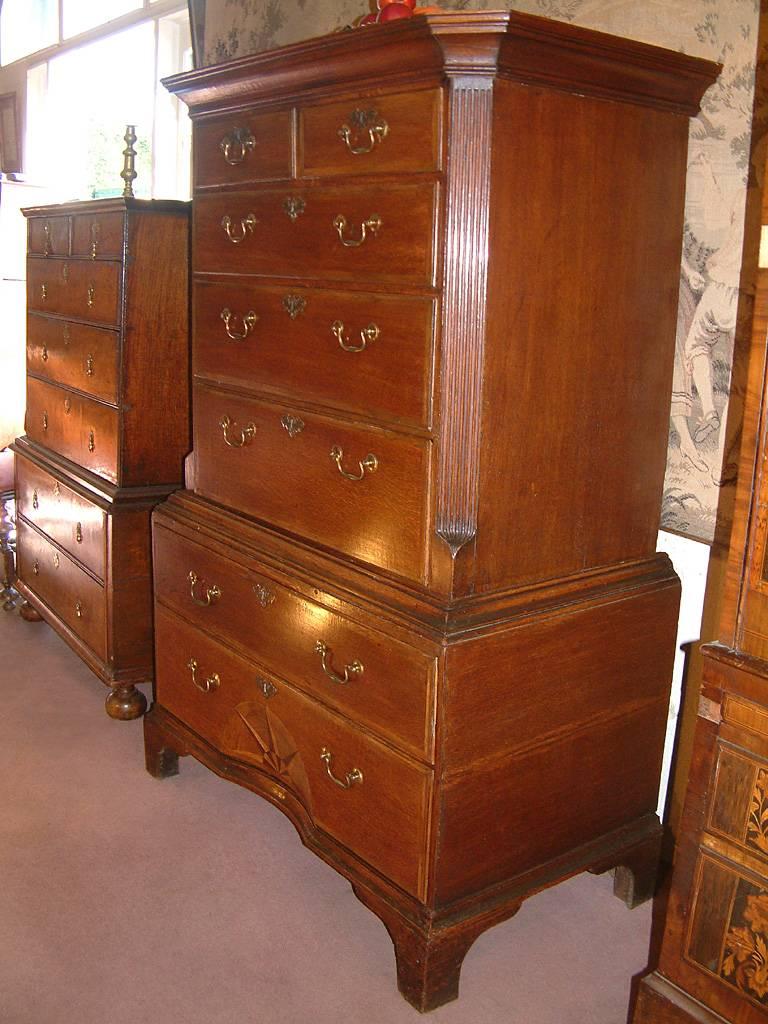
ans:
x=410 y=593
x=107 y=424
x=713 y=965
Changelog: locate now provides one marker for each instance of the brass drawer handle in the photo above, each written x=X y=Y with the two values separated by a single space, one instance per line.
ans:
x=45 y=421
x=267 y=688
x=90 y=296
x=65 y=272
x=373 y=224
x=44 y=292
x=249 y=322
x=35 y=500
x=67 y=406
x=47 y=248
x=212 y=594
x=292 y=424
x=95 y=232
x=36 y=567
x=213 y=682
x=45 y=354
x=236 y=146
x=79 y=609
x=264 y=595
x=349 y=780
x=89 y=365
x=57 y=489
x=369 y=333
x=67 y=335
x=91 y=441
x=363 y=121
x=369 y=463
x=247 y=223
x=246 y=433
x=294 y=206
x=79 y=533
x=294 y=305
x=355 y=668
x=56 y=560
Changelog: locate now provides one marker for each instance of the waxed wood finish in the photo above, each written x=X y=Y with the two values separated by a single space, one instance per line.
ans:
x=79 y=356
x=456 y=523
x=107 y=422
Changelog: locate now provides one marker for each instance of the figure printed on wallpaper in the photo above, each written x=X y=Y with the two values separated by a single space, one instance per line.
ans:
x=712 y=299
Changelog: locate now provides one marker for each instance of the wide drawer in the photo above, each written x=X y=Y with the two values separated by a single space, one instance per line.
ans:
x=399 y=132
x=67 y=589
x=86 y=289
x=48 y=236
x=76 y=355
x=365 y=674
x=98 y=236
x=73 y=522
x=352 y=233
x=243 y=147
x=357 y=489
x=80 y=429
x=369 y=798
x=368 y=353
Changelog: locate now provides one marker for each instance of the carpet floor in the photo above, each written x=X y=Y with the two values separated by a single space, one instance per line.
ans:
x=127 y=900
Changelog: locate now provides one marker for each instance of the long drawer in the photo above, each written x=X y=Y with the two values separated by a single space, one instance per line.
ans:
x=76 y=355
x=359 y=490
x=354 y=233
x=364 y=352
x=87 y=289
x=73 y=522
x=363 y=673
x=67 y=589
x=371 y=799
x=78 y=428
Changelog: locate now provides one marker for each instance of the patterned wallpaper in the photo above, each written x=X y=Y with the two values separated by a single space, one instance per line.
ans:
x=718 y=175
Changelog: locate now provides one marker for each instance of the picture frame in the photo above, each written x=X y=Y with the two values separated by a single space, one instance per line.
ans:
x=10 y=135
x=197 y=30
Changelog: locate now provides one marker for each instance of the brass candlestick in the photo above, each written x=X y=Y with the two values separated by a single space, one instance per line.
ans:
x=128 y=172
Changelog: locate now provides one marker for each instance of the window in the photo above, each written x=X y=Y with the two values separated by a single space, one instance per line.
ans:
x=27 y=26
x=80 y=15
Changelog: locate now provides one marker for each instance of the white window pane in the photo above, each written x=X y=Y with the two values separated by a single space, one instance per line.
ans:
x=89 y=102
x=80 y=15
x=173 y=135
x=27 y=26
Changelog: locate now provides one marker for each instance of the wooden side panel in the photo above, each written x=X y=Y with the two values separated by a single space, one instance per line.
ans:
x=586 y=229
x=156 y=351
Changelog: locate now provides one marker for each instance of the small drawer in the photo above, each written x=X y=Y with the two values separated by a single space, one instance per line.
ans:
x=739 y=806
x=73 y=522
x=360 y=490
x=86 y=289
x=48 y=236
x=76 y=355
x=370 y=134
x=243 y=147
x=369 y=798
x=354 y=233
x=99 y=236
x=368 y=676
x=67 y=589
x=78 y=428
x=371 y=354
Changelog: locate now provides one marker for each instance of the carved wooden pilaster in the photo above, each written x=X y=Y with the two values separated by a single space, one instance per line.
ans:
x=464 y=302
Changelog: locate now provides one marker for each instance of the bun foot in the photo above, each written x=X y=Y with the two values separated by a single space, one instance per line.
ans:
x=27 y=612
x=125 y=703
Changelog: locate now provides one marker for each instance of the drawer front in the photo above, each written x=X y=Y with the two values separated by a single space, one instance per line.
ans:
x=360 y=491
x=48 y=236
x=76 y=524
x=78 y=428
x=346 y=233
x=99 y=236
x=399 y=132
x=367 y=675
x=86 y=289
x=371 y=354
x=243 y=147
x=378 y=805
x=76 y=355
x=75 y=597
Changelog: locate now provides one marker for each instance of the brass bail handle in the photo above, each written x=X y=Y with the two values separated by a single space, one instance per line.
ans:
x=351 y=779
x=247 y=225
x=372 y=225
x=248 y=320
x=367 y=334
x=367 y=465
x=364 y=122
x=246 y=433
x=207 y=685
x=236 y=145
x=211 y=594
x=355 y=668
